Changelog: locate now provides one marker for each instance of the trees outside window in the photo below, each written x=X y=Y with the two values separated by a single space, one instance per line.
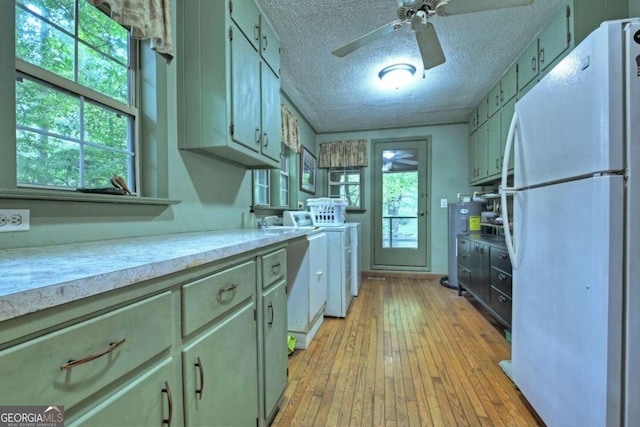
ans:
x=346 y=183
x=76 y=111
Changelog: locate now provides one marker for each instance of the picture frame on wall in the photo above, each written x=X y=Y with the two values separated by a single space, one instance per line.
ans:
x=308 y=171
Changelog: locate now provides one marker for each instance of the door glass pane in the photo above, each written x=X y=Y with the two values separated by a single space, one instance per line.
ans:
x=400 y=198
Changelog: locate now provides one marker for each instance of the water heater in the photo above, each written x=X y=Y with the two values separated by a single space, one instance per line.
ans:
x=464 y=218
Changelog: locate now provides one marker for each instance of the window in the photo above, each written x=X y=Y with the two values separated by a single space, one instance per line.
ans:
x=284 y=177
x=75 y=105
x=346 y=183
x=261 y=187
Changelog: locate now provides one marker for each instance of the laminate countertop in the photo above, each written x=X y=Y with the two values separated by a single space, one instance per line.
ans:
x=37 y=278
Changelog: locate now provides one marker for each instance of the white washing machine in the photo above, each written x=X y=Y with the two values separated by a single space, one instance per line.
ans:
x=341 y=259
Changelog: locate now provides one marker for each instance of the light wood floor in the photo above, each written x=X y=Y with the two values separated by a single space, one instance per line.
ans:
x=409 y=353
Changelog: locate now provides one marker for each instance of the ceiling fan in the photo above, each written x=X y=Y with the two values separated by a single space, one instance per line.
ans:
x=398 y=160
x=416 y=13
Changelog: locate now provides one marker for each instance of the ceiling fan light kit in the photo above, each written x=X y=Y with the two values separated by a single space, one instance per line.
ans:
x=397 y=74
x=416 y=13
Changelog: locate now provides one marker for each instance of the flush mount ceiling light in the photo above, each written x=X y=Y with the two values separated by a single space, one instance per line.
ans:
x=397 y=74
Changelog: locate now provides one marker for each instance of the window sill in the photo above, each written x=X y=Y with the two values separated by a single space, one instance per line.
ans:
x=70 y=196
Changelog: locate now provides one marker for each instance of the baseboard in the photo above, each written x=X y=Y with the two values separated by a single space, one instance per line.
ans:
x=399 y=274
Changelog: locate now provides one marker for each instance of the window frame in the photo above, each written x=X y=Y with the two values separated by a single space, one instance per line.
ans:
x=343 y=170
x=133 y=109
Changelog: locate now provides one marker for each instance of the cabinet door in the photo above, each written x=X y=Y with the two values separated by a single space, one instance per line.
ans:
x=494 y=145
x=509 y=85
x=528 y=65
x=271 y=119
x=473 y=156
x=274 y=308
x=245 y=93
x=483 y=111
x=506 y=114
x=220 y=373
x=246 y=15
x=473 y=121
x=493 y=100
x=554 y=39
x=149 y=400
x=481 y=151
x=269 y=45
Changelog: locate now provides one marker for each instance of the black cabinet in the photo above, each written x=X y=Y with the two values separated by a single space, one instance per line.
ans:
x=484 y=271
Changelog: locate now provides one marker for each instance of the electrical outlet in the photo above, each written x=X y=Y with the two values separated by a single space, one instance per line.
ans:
x=14 y=220
x=443 y=203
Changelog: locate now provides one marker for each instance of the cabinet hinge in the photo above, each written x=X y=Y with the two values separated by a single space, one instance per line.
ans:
x=255 y=315
x=230 y=34
x=230 y=6
x=231 y=128
x=287 y=372
x=568 y=38
x=568 y=11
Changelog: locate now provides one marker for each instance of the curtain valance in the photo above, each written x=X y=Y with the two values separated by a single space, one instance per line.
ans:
x=347 y=153
x=147 y=19
x=290 y=130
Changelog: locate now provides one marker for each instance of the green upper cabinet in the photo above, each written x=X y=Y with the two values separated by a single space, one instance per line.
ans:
x=246 y=15
x=509 y=84
x=483 y=111
x=271 y=119
x=245 y=94
x=269 y=45
x=493 y=99
x=473 y=121
x=226 y=104
x=506 y=114
x=473 y=156
x=554 y=39
x=494 y=146
x=528 y=64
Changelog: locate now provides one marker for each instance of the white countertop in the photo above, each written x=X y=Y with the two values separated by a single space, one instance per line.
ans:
x=33 y=279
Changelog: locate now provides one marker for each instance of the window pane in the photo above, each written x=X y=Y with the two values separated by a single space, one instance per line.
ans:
x=101 y=164
x=44 y=160
x=103 y=33
x=59 y=12
x=35 y=102
x=43 y=45
x=106 y=127
x=102 y=74
x=261 y=187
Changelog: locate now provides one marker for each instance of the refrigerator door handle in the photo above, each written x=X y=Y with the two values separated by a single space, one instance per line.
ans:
x=504 y=190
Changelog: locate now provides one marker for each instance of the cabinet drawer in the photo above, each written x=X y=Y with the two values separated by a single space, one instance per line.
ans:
x=464 y=245
x=501 y=304
x=274 y=267
x=33 y=372
x=464 y=258
x=501 y=281
x=500 y=259
x=212 y=296
x=464 y=275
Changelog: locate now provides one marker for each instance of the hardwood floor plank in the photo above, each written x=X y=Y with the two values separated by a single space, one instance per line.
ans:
x=409 y=353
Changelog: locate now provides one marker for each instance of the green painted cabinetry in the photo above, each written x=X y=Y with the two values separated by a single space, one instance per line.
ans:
x=567 y=27
x=220 y=372
x=201 y=347
x=228 y=84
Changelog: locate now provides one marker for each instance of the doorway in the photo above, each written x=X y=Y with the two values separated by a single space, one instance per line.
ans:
x=401 y=197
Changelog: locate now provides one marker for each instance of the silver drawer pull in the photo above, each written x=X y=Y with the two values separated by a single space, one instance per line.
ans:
x=229 y=288
x=275 y=268
x=501 y=298
x=502 y=277
x=502 y=256
x=73 y=363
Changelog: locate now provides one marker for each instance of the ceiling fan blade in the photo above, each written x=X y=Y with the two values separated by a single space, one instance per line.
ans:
x=458 y=7
x=406 y=161
x=429 y=45
x=368 y=38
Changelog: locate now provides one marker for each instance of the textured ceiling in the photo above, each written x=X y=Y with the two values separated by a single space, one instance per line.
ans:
x=344 y=94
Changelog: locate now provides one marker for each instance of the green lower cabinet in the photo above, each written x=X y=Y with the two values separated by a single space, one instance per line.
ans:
x=219 y=373
x=150 y=400
x=274 y=309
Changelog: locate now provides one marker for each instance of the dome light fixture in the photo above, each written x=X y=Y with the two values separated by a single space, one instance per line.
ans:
x=397 y=74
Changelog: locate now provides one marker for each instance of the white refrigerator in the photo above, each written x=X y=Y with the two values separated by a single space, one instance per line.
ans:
x=575 y=243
